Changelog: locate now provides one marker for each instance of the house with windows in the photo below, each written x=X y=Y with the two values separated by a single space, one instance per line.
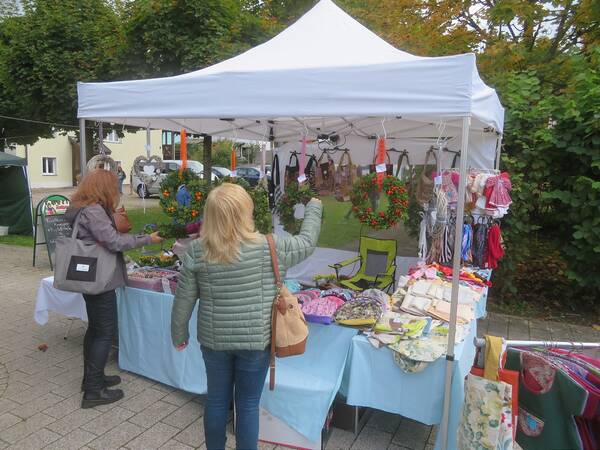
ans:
x=53 y=162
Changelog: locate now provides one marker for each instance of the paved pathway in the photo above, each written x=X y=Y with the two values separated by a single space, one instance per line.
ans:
x=39 y=391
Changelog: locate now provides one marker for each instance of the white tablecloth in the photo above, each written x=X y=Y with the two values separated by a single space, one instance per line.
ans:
x=69 y=304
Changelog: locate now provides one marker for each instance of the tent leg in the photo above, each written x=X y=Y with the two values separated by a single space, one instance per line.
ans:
x=148 y=143
x=498 y=153
x=82 y=152
x=456 y=265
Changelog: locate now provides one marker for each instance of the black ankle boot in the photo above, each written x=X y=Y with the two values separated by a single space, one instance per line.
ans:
x=102 y=397
x=109 y=381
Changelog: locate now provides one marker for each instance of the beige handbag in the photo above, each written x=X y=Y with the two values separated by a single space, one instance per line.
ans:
x=344 y=178
x=425 y=187
x=289 y=330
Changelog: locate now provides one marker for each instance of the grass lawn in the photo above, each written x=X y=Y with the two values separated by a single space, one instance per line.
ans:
x=17 y=239
x=336 y=232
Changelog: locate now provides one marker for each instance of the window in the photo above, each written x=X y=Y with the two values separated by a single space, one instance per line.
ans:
x=48 y=166
x=112 y=137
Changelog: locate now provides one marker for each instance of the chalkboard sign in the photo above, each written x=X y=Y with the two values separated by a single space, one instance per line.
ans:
x=49 y=213
x=54 y=227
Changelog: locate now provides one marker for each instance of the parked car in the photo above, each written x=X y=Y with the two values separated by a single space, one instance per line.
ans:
x=221 y=172
x=170 y=165
x=249 y=173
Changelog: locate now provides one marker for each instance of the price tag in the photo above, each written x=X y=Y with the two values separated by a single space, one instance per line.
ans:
x=233 y=174
x=302 y=178
x=437 y=180
x=380 y=168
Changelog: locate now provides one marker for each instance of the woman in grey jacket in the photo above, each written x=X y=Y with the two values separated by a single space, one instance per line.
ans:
x=93 y=205
x=229 y=271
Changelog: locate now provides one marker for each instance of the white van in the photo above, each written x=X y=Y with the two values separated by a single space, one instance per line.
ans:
x=170 y=165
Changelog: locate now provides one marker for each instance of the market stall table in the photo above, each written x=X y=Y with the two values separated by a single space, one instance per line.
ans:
x=305 y=385
x=373 y=379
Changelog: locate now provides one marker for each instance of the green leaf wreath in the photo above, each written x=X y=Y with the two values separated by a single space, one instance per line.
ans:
x=199 y=190
x=293 y=195
x=398 y=202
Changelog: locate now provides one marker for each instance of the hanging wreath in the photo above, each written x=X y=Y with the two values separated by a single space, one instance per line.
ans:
x=292 y=196
x=183 y=198
x=397 y=195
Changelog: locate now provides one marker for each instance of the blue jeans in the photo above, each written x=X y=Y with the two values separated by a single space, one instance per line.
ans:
x=244 y=372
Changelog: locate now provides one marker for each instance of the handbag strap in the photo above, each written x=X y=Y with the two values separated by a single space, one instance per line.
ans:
x=292 y=156
x=430 y=152
x=275 y=175
x=309 y=165
x=403 y=155
x=275 y=265
x=76 y=224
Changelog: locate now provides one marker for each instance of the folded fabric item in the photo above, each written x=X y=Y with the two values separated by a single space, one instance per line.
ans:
x=377 y=295
x=413 y=355
x=304 y=296
x=321 y=310
x=441 y=310
x=404 y=325
x=359 y=312
x=292 y=285
x=421 y=287
x=344 y=294
x=413 y=304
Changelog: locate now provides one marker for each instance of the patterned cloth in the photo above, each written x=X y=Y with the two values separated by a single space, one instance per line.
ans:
x=344 y=294
x=377 y=295
x=321 y=310
x=359 y=312
x=486 y=422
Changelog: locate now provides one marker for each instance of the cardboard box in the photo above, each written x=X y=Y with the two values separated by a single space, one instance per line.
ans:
x=273 y=430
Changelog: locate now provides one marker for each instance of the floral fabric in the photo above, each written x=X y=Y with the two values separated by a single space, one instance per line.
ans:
x=321 y=310
x=486 y=422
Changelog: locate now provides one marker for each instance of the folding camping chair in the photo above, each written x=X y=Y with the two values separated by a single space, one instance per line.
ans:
x=377 y=265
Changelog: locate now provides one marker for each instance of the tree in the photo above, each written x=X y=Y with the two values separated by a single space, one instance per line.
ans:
x=170 y=37
x=45 y=52
x=9 y=8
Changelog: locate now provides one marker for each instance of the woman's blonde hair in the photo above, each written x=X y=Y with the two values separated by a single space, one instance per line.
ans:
x=98 y=186
x=228 y=222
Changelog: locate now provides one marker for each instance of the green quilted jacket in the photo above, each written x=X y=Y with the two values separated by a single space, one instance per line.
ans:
x=235 y=300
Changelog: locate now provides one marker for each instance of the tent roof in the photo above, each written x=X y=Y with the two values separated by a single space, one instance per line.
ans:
x=7 y=159
x=325 y=73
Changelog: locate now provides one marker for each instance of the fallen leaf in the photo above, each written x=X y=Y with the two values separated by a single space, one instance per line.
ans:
x=596 y=327
x=43 y=347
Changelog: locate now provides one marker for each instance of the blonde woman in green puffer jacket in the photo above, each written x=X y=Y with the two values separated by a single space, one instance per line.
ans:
x=228 y=271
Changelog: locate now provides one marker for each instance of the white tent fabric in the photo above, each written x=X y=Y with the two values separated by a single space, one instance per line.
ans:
x=324 y=74
x=326 y=71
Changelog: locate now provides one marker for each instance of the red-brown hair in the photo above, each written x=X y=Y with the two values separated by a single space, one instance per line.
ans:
x=98 y=186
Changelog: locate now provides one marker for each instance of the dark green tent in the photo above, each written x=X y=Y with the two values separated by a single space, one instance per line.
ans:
x=15 y=197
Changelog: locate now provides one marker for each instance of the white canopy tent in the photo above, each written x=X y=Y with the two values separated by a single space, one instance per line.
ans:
x=324 y=74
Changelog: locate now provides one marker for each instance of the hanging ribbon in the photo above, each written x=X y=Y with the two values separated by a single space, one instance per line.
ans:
x=302 y=155
x=183 y=152
x=380 y=159
x=233 y=158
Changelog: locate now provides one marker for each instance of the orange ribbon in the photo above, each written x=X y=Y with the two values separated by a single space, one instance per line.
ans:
x=233 y=158
x=183 y=152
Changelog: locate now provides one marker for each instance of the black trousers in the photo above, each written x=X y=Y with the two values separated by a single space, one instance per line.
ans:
x=102 y=327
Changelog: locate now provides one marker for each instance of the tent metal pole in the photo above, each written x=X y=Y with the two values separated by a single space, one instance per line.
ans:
x=82 y=150
x=148 y=143
x=456 y=266
x=498 y=153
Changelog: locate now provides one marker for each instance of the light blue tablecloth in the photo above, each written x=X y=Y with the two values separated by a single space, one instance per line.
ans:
x=305 y=385
x=373 y=379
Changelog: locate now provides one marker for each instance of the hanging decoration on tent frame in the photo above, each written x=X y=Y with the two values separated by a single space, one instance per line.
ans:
x=183 y=196
x=397 y=196
x=293 y=195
